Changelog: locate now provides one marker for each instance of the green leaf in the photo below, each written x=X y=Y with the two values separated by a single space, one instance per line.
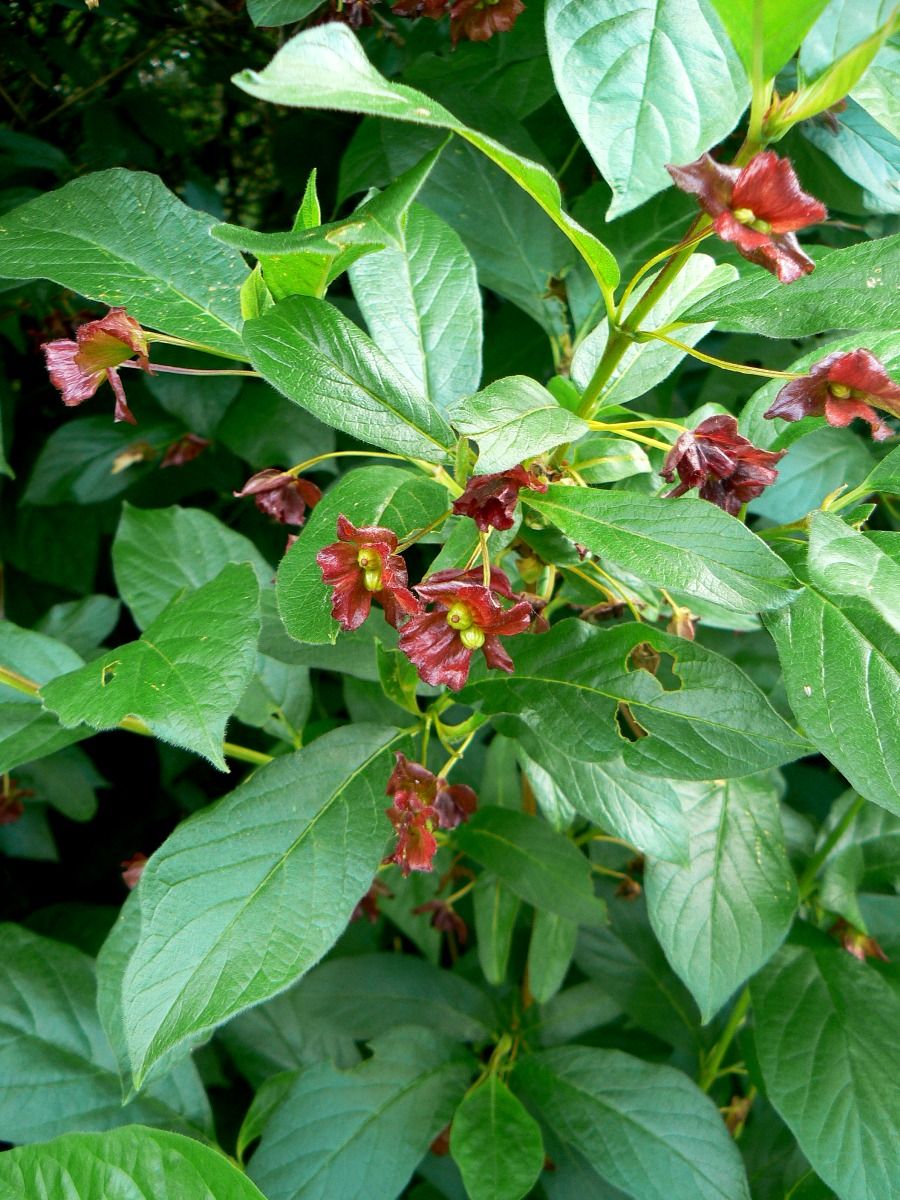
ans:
x=599 y=458
x=496 y=908
x=885 y=477
x=778 y=28
x=645 y=85
x=514 y=419
x=574 y=1012
x=263 y=1105
x=82 y=624
x=816 y=1005
x=685 y=545
x=27 y=731
x=59 y=1074
x=319 y=359
x=361 y=1133
x=326 y=67
x=721 y=917
x=643 y=810
x=541 y=866
x=247 y=895
x=842 y=25
x=704 y=719
x=496 y=1144
x=387 y=496
x=645 y=364
x=422 y=306
x=549 y=954
x=280 y=12
x=866 y=152
x=866 y=858
x=877 y=90
x=67 y=779
x=77 y=463
x=838 y=647
x=263 y=428
x=122 y=238
x=131 y=1164
x=643 y=1127
x=306 y=260
x=815 y=466
x=626 y=960
x=185 y=676
x=853 y=288
x=160 y=552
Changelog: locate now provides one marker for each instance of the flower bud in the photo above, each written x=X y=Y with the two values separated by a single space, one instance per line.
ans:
x=472 y=638
x=746 y=216
x=372 y=580
x=459 y=617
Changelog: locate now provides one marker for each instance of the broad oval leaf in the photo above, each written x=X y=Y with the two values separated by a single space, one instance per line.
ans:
x=400 y=500
x=724 y=914
x=645 y=84
x=359 y=1134
x=549 y=954
x=183 y=678
x=710 y=721
x=840 y=654
x=540 y=865
x=422 y=305
x=122 y=238
x=130 y=1164
x=853 y=288
x=59 y=1073
x=496 y=1144
x=327 y=68
x=514 y=419
x=815 y=1005
x=247 y=895
x=318 y=358
x=685 y=545
x=645 y=1128
x=495 y=907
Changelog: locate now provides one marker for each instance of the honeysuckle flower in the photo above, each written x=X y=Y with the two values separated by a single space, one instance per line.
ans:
x=416 y=845
x=188 y=447
x=362 y=564
x=840 y=387
x=728 y=469
x=490 y=500
x=479 y=20
x=133 y=869
x=466 y=617
x=758 y=207
x=281 y=495
x=78 y=367
x=453 y=803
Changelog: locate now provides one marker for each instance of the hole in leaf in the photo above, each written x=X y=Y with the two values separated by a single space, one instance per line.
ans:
x=629 y=726
x=662 y=666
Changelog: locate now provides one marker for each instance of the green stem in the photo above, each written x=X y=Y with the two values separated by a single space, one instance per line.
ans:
x=710 y=1069
x=166 y=340
x=722 y=363
x=807 y=880
x=230 y=749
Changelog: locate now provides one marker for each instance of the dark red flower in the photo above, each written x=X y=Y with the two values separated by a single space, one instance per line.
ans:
x=841 y=387
x=479 y=20
x=188 y=447
x=416 y=844
x=445 y=918
x=728 y=469
x=758 y=207
x=78 y=367
x=362 y=565
x=281 y=495
x=11 y=797
x=490 y=500
x=453 y=803
x=466 y=617
x=133 y=869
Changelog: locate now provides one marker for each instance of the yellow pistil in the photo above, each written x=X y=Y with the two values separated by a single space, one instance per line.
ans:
x=370 y=562
x=459 y=616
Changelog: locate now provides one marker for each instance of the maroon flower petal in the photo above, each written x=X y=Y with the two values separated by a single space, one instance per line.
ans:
x=436 y=649
x=188 y=447
x=495 y=656
x=74 y=382
x=490 y=500
x=479 y=20
x=768 y=186
x=711 y=182
x=281 y=495
x=121 y=412
x=798 y=399
x=781 y=254
x=861 y=371
x=366 y=535
x=411 y=778
x=840 y=412
x=454 y=803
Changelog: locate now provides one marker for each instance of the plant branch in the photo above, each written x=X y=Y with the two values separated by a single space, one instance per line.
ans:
x=807 y=880
x=709 y=1071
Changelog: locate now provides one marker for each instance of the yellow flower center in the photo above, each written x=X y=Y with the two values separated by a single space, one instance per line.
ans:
x=459 y=616
x=370 y=562
x=747 y=216
x=840 y=391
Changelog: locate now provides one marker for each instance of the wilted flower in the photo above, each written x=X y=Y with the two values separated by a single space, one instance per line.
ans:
x=78 y=367
x=479 y=20
x=466 y=617
x=188 y=447
x=490 y=500
x=857 y=943
x=367 y=905
x=423 y=802
x=445 y=918
x=757 y=207
x=133 y=869
x=281 y=495
x=362 y=565
x=840 y=387
x=728 y=469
